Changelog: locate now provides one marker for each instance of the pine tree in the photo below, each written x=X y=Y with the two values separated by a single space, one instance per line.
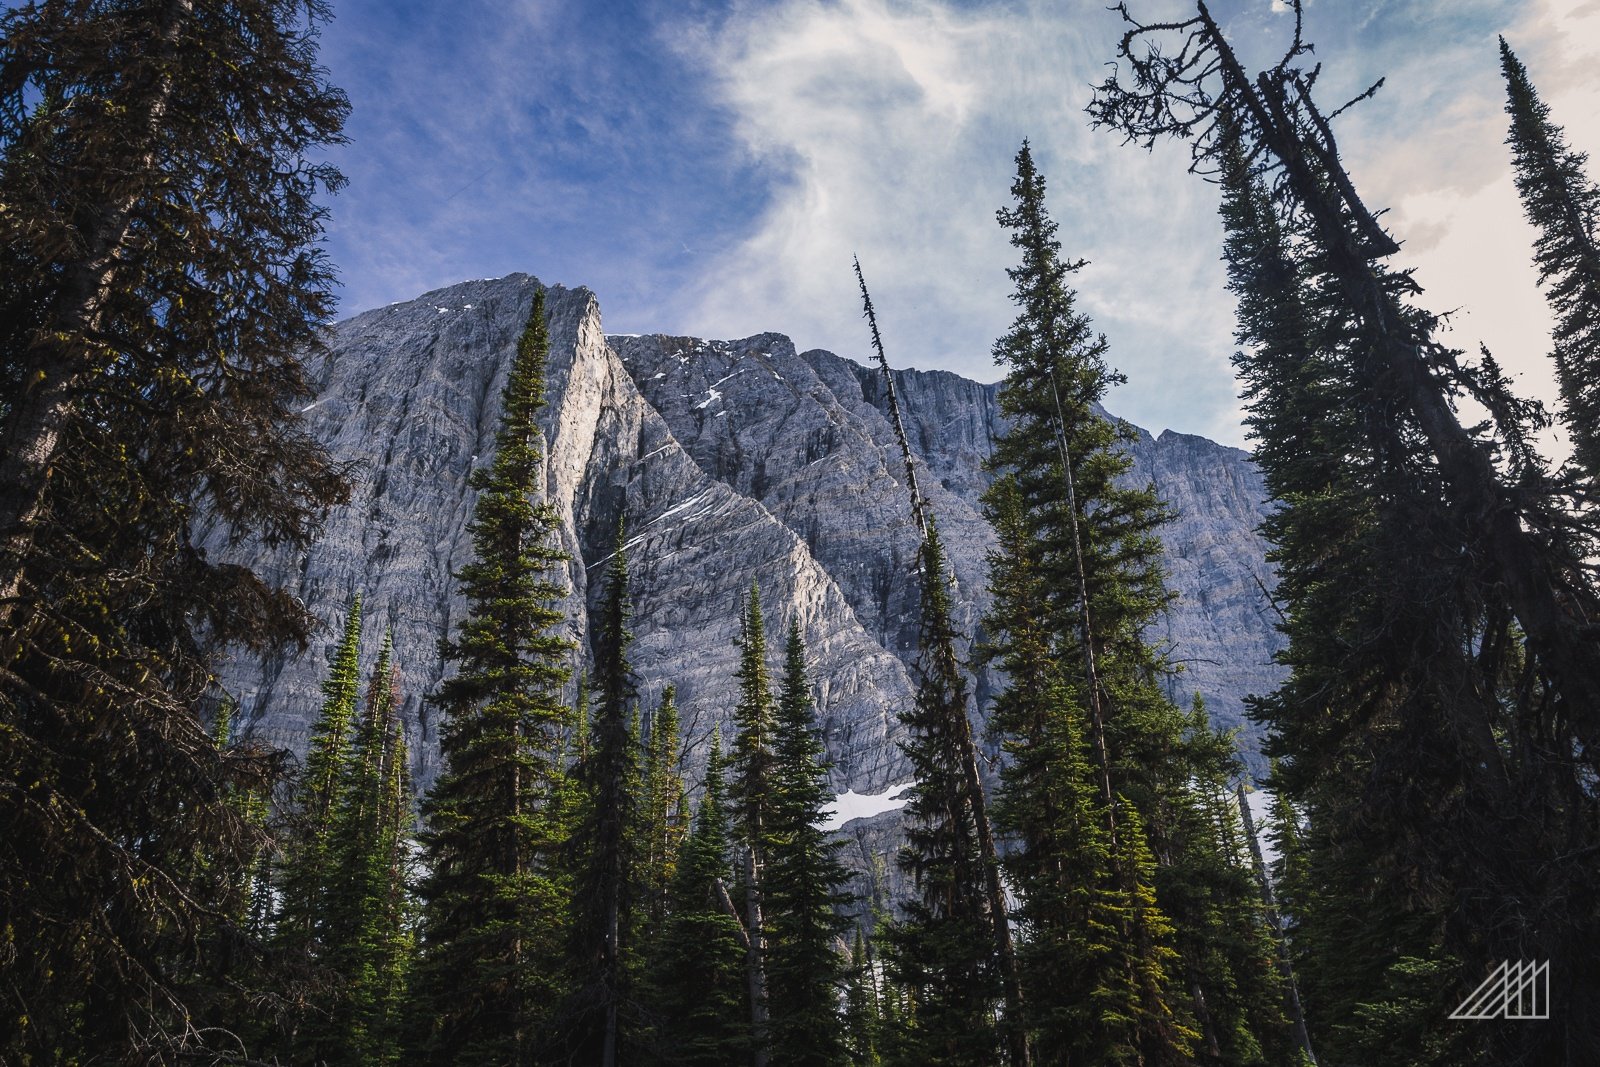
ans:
x=752 y=795
x=941 y=710
x=803 y=888
x=664 y=822
x=941 y=954
x=1370 y=645
x=310 y=859
x=366 y=904
x=698 y=978
x=1562 y=203
x=1208 y=888
x=1406 y=725
x=862 y=1014
x=494 y=901
x=601 y=1013
x=1077 y=581
x=254 y=806
x=1096 y=951
x=160 y=286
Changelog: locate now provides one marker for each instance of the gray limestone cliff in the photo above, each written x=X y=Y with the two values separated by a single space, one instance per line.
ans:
x=726 y=463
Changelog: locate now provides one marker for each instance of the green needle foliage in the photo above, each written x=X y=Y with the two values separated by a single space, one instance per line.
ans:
x=368 y=941
x=664 y=822
x=805 y=970
x=941 y=954
x=310 y=855
x=699 y=974
x=1098 y=753
x=1144 y=934
x=160 y=286
x=862 y=1011
x=603 y=1013
x=752 y=803
x=1436 y=733
x=1564 y=205
x=495 y=899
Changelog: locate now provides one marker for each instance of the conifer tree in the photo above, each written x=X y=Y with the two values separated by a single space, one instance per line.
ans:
x=698 y=977
x=494 y=901
x=664 y=822
x=1096 y=951
x=605 y=840
x=1419 y=678
x=861 y=1007
x=310 y=858
x=940 y=719
x=159 y=288
x=254 y=807
x=941 y=954
x=1563 y=204
x=367 y=941
x=1221 y=922
x=1076 y=582
x=803 y=885
x=1368 y=631
x=752 y=795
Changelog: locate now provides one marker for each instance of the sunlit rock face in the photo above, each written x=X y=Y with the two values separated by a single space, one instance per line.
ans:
x=724 y=463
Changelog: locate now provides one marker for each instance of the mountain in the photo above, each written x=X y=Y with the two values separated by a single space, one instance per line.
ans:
x=725 y=462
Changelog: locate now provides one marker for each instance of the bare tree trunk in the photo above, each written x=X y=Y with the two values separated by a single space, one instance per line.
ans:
x=755 y=963
x=1005 y=950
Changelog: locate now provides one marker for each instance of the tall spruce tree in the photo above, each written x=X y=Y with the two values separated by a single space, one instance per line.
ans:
x=753 y=799
x=160 y=286
x=1371 y=656
x=494 y=902
x=1563 y=204
x=1427 y=685
x=862 y=1013
x=309 y=853
x=698 y=973
x=803 y=889
x=367 y=942
x=1078 y=581
x=603 y=1011
x=1096 y=951
x=664 y=822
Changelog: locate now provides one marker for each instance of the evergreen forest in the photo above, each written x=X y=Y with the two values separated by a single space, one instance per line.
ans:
x=589 y=881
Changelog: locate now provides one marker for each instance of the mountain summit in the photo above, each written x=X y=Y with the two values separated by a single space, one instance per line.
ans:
x=724 y=461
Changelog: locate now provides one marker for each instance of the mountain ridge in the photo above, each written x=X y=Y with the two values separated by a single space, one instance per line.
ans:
x=729 y=461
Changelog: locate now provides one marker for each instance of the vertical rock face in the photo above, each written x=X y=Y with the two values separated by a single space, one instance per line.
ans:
x=723 y=464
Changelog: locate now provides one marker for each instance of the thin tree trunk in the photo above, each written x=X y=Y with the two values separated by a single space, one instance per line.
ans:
x=1015 y=1032
x=1085 y=623
x=755 y=965
x=1005 y=949
x=918 y=504
x=1280 y=941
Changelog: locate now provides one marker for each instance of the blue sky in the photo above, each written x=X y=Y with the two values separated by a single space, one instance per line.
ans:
x=708 y=168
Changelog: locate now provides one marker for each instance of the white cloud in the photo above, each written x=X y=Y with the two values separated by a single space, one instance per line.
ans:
x=1447 y=174
x=895 y=123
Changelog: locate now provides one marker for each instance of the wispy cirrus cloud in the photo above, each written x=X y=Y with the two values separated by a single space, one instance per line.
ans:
x=895 y=125
x=710 y=167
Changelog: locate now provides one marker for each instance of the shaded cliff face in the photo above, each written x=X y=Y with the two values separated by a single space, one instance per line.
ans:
x=725 y=463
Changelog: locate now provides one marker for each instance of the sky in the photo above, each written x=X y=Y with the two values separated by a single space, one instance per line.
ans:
x=709 y=168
